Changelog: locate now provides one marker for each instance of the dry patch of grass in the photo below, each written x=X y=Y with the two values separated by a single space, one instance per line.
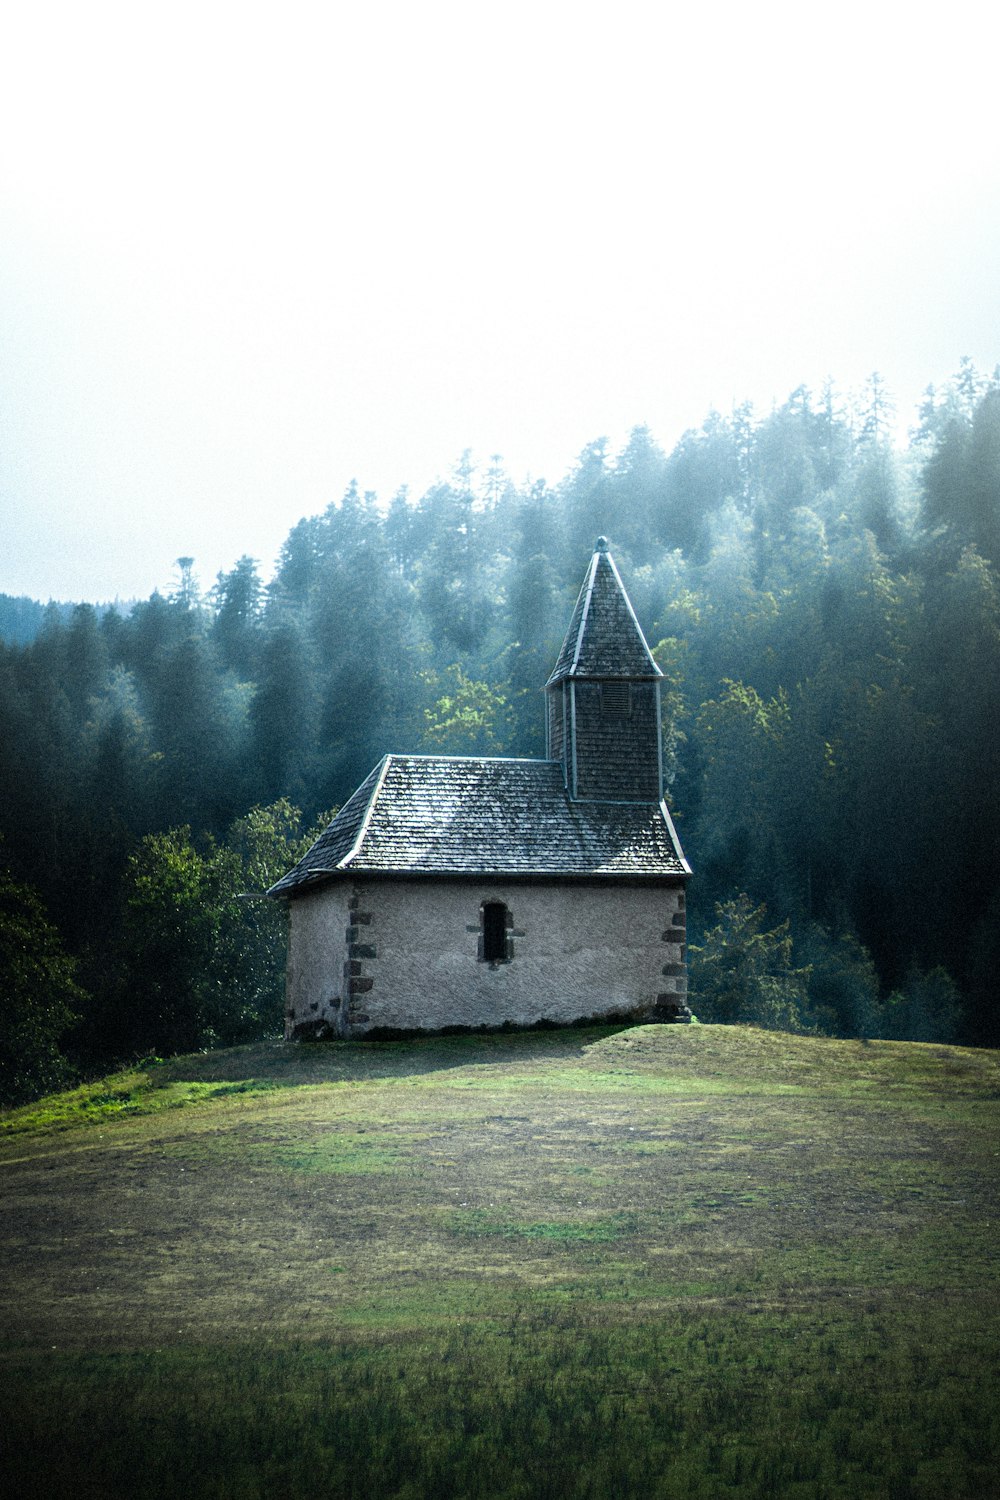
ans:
x=796 y=1200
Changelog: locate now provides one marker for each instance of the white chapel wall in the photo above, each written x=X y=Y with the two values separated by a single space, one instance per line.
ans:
x=315 y=990
x=407 y=955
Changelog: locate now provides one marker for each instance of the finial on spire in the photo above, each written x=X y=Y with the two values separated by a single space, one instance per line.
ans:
x=602 y=544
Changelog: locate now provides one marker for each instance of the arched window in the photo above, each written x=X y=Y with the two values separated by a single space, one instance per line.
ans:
x=494 y=934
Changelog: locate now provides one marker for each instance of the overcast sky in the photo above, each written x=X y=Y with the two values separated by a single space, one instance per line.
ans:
x=250 y=252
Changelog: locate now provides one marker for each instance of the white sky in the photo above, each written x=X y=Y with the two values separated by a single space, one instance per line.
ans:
x=250 y=252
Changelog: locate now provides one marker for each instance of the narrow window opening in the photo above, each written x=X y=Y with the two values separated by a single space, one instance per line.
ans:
x=616 y=702
x=494 y=932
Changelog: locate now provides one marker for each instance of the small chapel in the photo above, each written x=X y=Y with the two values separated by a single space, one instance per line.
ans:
x=459 y=891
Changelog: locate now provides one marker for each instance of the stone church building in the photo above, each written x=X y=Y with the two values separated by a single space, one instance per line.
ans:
x=465 y=891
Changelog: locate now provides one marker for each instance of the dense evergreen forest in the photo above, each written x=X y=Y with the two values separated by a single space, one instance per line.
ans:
x=825 y=607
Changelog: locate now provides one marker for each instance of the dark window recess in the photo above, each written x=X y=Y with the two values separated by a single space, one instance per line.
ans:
x=494 y=932
x=616 y=700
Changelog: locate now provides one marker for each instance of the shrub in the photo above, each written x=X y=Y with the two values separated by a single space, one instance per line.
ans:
x=40 y=999
x=742 y=972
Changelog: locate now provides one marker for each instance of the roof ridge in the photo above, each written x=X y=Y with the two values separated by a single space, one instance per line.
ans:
x=343 y=863
x=589 y=582
x=665 y=814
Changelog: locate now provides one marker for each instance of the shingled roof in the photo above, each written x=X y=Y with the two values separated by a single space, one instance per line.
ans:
x=452 y=815
x=604 y=639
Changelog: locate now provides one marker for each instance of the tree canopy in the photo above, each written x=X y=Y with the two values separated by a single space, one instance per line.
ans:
x=825 y=605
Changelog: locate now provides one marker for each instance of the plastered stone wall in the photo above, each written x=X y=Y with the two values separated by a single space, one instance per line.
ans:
x=316 y=997
x=406 y=954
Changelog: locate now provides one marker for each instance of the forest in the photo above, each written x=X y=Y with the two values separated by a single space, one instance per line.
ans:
x=823 y=601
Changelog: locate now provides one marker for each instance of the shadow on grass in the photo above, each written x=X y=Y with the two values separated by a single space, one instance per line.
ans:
x=290 y=1064
x=846 y=1405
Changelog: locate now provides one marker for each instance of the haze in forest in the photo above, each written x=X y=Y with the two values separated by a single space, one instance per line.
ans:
x=248 y=258
x=826 y=615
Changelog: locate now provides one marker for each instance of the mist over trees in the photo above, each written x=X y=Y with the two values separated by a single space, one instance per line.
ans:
x=825 y=607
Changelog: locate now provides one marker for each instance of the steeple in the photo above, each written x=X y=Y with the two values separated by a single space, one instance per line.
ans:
x=603 y=719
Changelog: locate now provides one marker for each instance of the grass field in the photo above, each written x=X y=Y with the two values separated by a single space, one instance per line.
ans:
x=698 y=1262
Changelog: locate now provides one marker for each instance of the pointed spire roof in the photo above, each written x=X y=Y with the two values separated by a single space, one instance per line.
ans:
x=604 y=638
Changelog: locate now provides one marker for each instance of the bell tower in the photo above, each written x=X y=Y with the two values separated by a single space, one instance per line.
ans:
x=603 y=714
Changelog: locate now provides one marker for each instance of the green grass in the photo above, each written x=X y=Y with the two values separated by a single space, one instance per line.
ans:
x=658 y=1262
x=137 y=1091
x=478 y=1224
x=700 y=1404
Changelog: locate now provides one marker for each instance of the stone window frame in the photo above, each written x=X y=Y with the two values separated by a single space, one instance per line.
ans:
x=508 y=940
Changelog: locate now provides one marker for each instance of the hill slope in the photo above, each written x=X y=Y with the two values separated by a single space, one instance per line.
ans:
x=674 y=1261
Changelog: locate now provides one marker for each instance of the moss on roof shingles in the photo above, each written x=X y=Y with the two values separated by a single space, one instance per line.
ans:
x=443 y=815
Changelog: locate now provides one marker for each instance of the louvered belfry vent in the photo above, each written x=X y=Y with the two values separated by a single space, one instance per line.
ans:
x=603 y=719
x=615 y=700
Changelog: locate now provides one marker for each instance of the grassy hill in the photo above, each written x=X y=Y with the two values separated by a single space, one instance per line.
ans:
x=693 y=1262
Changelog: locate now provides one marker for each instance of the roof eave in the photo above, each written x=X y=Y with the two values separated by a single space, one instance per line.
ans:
x=654 y=676
x=284 y=889
x=554 y=877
